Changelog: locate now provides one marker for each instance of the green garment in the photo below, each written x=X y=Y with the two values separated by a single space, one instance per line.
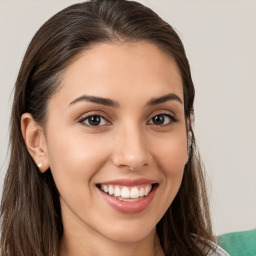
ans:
x=239 y=243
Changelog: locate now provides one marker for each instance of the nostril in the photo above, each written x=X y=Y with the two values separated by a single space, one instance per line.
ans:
x=131 y=162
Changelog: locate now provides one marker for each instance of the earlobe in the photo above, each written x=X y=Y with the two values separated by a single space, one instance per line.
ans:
x=34 y=138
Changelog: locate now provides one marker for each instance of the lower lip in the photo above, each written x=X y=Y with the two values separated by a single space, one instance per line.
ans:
x=130 y=207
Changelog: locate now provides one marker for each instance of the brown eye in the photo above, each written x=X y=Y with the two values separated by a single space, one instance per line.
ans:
x=162 y=119
x=159 y=119
x=93 y=120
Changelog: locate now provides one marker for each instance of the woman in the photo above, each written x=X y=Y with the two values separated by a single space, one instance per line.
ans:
x=103 y=155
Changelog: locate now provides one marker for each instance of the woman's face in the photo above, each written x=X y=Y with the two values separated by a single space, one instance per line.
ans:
x=116 y=140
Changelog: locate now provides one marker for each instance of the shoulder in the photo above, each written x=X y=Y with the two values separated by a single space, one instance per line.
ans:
x=215 y=250
x=218 y=251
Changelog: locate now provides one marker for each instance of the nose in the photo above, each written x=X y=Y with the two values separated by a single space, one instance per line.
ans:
x=130 y=149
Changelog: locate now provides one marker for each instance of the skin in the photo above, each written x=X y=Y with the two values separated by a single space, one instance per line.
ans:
x=127 y=144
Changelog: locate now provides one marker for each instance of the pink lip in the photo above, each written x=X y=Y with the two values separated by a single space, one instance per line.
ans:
x=129 y=182
x=129 y=207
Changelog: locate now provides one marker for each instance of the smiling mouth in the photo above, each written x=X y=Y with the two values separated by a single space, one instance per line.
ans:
x=127 y=193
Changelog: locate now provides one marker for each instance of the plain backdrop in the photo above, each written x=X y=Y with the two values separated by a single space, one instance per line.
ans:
x=220 y=40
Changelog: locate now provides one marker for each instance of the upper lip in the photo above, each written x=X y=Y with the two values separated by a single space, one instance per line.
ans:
x=129 y=182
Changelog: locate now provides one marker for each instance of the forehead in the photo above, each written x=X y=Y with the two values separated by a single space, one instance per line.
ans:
x=117 y=70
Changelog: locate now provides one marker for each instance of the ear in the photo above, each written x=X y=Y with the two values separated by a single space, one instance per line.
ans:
x=35 y=141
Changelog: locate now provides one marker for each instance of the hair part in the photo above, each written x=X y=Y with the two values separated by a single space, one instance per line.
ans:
x=30 y=208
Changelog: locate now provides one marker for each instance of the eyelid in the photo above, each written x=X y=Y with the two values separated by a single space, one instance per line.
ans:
x=163 y=112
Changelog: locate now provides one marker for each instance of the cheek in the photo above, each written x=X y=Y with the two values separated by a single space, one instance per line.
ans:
x=172 y=155
x=170 y=158
x=74 y=158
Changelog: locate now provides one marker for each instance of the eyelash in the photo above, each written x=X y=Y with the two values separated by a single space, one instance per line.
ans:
x=171 y=121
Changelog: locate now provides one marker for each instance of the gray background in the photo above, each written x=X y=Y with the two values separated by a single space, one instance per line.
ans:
x=220 y=39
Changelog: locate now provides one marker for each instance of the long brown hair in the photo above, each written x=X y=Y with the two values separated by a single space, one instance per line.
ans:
x=31 y=220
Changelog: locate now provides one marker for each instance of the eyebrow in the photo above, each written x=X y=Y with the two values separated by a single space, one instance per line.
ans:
x=97 y=100
x=162 y=99
x=111 y=103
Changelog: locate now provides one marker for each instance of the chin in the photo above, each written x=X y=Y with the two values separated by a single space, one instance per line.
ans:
x=131 y=233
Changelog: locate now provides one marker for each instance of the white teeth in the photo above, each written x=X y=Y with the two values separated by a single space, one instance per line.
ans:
x=111 y=190
x=147 y=190
x=134 y=193
x=142 y=192
x=105 y=188
x=129 y=199
x=126 y=192
x=117 y=191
